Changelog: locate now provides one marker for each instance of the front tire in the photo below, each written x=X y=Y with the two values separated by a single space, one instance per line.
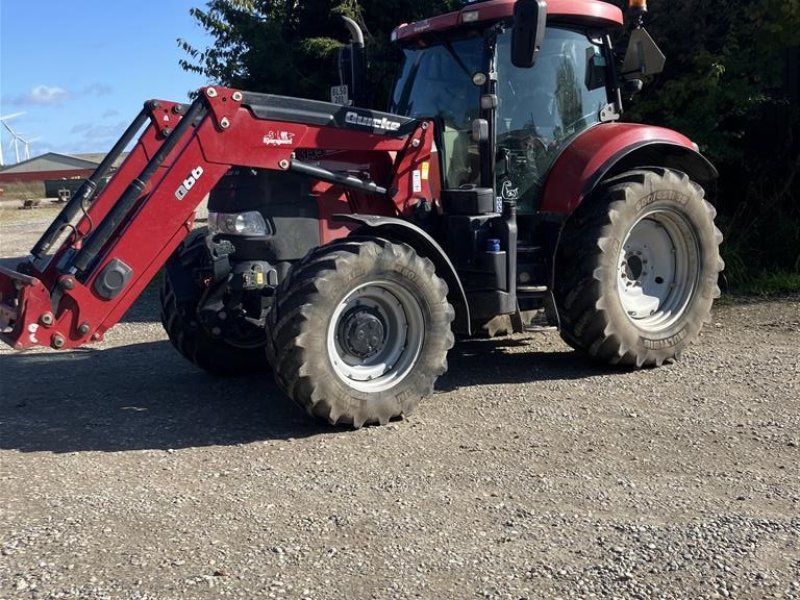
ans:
x=637 y=267
x=360 y=331
x=217 y=355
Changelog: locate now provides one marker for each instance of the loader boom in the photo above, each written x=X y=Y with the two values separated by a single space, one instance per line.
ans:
x=120 y=237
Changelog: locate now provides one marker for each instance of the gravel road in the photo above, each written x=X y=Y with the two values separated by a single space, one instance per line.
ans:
x=127 y=473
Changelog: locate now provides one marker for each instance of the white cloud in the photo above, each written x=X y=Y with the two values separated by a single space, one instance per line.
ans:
x=49 y=95
x=41 y=95
x=81 y=127
x=97 y=89
x=55 y=95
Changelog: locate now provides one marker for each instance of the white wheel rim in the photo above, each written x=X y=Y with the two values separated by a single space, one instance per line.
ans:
x=375 y=336
x=658 y=269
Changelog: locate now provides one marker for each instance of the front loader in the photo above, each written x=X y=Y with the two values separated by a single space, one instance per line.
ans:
x=346 y=246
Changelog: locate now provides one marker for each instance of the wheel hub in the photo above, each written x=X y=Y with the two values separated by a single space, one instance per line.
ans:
x=657 y=269
x=363 y=332
x=375 y=336
x=633 y=267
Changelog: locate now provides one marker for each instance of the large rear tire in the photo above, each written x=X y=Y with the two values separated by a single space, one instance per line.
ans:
x=215 y=354
x=636 y=269
x=360 y=331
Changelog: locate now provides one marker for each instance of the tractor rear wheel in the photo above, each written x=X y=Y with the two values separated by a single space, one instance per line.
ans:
x=241 y=354
x=360 y=331
x=637 y=267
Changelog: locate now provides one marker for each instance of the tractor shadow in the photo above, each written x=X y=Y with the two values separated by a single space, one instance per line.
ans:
x=513 y=360
x=137 y=397
x=145 y=396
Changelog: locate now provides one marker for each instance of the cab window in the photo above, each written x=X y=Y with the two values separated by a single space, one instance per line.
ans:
x=436 y=83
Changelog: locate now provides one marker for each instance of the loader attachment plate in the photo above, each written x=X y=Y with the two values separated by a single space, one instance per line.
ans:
x=20 y=295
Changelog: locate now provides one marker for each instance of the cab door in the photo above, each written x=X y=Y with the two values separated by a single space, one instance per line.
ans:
x=541 y=109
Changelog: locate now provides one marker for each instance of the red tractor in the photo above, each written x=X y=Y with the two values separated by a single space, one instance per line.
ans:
x=346 y=246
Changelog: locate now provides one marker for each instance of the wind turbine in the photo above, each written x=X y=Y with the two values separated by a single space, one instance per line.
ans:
x=14 y=136
x=27 y=145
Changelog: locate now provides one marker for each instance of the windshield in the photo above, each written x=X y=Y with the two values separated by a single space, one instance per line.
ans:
x=436 y=83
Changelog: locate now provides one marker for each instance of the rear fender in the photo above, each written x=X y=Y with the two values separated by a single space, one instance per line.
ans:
x=611 y=148
x=397 y=230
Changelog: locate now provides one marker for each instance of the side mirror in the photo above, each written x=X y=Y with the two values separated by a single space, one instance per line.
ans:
x=643 y=56
x=631 y=87
x=527 y=34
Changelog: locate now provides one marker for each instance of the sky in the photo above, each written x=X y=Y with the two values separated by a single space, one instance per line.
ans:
x=80 y=70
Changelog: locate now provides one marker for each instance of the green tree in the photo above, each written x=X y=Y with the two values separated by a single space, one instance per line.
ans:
x=291 y=47
x=731 y=84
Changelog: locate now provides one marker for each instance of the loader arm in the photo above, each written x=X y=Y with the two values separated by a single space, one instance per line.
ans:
x=117 y=240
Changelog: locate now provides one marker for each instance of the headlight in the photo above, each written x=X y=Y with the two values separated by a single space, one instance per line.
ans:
x=246 y=223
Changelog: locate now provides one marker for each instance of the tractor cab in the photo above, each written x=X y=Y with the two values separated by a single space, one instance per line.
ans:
x=500 y=125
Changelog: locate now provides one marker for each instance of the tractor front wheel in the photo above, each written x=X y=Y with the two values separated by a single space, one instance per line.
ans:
x=239 y=353
x=360 y=331
x=637 y=267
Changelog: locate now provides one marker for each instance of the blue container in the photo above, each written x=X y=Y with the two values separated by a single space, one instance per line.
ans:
x=492 y=245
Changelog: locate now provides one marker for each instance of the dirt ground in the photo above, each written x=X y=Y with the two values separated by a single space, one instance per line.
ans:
x=127 y=473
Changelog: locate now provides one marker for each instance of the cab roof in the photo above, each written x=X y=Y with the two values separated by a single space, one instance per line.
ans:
x=597 y=13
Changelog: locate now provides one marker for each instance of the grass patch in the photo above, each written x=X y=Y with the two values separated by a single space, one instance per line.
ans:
x=765 y=285
x=23 y=190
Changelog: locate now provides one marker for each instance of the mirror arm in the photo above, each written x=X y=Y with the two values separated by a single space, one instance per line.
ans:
x=356 y=35
x=357 y=77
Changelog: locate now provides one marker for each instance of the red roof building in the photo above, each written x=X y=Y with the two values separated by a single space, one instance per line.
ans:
x=48 y=166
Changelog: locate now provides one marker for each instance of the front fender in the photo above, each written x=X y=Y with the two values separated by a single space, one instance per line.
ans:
x=398 y=230
x=611 y=148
